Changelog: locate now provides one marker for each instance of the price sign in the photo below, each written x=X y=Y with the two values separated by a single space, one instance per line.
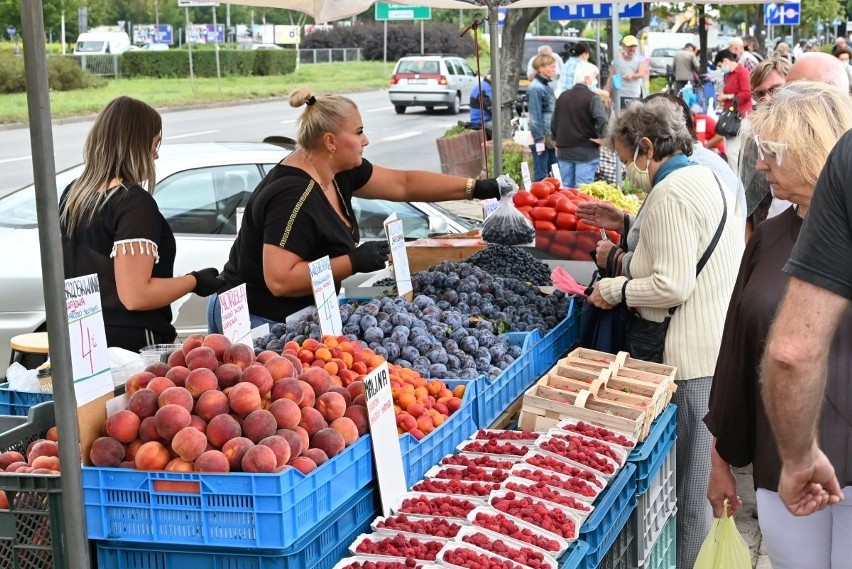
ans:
x=89 y=357
x=399 y=256
x=556 y=172
x=525 y=175
x=233 y=307
x=325 y=297
x=489 y=206
x=386 y=452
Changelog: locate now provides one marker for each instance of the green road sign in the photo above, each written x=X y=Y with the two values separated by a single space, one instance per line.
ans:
x=397 y=13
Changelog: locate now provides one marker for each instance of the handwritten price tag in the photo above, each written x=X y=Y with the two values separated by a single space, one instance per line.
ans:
x=525 y=175
x=489 y=206
x=89 y=357
x=236 y=324
x=401 y=271
x=325 y=297
x=386 y=450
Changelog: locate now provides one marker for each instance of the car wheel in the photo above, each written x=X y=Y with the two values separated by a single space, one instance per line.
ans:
x=400 y=110
x=456 y=106
x=430 y=109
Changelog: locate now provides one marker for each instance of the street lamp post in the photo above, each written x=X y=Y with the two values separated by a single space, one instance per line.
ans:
x=157 y=16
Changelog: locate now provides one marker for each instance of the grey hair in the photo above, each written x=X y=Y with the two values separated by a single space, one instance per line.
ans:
x=322 y=115
x=657 y=119
x=585 y=69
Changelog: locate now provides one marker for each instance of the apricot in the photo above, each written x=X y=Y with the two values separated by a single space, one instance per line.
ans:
x=176 y=358
x=406 y=422
x=201 y=357
x=425 y=424
x=318 y=456
x=189 y=443
x=260 y=458
x=280 y=367
x=177 y=396
x=192 y=341
x=212 y=461
x=259 y=376
x=123 y=425
x=137 y=381
x=293 y=439
x=458 y=391
x=221 y=429
x=170 y=419
x=234 y=450
x=258 y=425
x=228 y=375
x=358 y=415
x=200 y=380
x=453 y=404
x=312 y=421
x=323 y=354
x=152 y=456
x=329 y=441
x=308 y=397
x=178 y=375
x=347 y=429
x=106 y=452
x=303 y=464
x=287 y=414
x=240 y=355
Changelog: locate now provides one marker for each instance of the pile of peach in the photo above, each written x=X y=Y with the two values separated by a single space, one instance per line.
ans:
x=42 y=457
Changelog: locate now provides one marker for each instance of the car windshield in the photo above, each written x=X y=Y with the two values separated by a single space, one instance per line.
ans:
x=664 y=52
x=18 y=209
x=90 y=46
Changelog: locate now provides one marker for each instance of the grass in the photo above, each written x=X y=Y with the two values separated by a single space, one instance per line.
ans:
x=163 y=93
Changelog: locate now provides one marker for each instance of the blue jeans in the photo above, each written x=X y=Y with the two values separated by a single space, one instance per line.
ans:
x=542 y=163
x=576 y=173
x=214 y=316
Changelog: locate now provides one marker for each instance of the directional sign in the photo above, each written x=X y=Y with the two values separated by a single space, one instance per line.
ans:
x=595 y=11
x=786 y=14
x=502 y=12
x=386 y=11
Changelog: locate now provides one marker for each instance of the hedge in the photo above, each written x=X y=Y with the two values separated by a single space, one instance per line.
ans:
x=175 y=63
x=63 y=74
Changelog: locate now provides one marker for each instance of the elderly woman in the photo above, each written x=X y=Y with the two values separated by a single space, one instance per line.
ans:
x=685 y=211
x=794 y=133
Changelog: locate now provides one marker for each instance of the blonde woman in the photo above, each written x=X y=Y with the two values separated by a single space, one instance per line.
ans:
x=794 y=132
x=111 y=226
x=302 y=210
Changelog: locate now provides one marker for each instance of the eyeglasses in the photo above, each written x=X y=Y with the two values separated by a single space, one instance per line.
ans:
x=768 y=92
x=770 y=149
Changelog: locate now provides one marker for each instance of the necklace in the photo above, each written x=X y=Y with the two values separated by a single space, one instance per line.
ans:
x=326 y=186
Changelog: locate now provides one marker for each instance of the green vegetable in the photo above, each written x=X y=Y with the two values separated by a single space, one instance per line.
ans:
x=605 y=191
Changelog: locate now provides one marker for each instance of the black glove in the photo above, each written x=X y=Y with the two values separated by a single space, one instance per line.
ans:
x=499 y=187
x=370 y=256
x=207 y=281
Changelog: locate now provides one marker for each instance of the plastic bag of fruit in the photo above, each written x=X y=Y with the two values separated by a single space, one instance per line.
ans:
x=508 y=226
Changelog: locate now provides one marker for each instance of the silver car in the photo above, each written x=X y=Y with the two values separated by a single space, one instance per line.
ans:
x=200 y=187
x=431 y=81
x=661 y=61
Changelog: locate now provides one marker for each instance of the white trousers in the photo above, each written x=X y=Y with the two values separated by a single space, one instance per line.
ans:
x=733 y=146
x=820 y=541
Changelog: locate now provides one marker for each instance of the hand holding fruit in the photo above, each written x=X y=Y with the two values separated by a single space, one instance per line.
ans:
x=601 y=214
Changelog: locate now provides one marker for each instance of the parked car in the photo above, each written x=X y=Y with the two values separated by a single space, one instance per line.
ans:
x=561 y=45
x=431 y=81
x=661 y=61
x=155 y=47
x=200 y=188
x=257 y=46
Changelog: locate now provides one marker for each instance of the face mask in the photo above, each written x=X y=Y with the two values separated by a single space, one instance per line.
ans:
x=639 y=178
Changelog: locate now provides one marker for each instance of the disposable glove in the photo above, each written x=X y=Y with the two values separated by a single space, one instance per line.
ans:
x=370 y=256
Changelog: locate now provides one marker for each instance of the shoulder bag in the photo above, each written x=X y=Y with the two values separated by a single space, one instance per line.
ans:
x=728 y=123
x=646 y=339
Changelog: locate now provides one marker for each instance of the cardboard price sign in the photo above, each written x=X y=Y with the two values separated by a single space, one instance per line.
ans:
x=89 y=357
x=402 y=273
x=325 y=297
x=525 y=175
x=489 y=206
x=236 y=323
x=386 y=451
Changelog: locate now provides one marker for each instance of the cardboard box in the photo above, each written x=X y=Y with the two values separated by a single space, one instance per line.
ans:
x=424 y=253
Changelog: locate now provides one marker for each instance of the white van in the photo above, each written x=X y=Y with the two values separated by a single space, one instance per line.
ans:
x=93 y=43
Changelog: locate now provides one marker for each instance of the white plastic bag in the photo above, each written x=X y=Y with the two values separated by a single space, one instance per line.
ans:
x=508 y=226
x=22 y=379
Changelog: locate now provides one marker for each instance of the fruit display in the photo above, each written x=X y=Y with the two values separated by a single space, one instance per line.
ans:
x=511 y=262
x=398 y=545
x=581 y=488
x=485 y=461
x=455 y=487
x=561 y=467
x=41 y=457
x=504 y=546
x=607 y=192
x=579 y=452
x=539 y=513
x=438 y=527
x=362 y=562
x=545 y=492
x=587 y=444
x=517 y=529
x=471 y=557
x=490 y=446
x=470 y=473
x=506 y=435
x=596 y=432
x=444 y=506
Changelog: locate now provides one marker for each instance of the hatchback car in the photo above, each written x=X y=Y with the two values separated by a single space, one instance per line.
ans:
x=661 y=61
x=431 y=81
x=201 y=190
x=561 y=46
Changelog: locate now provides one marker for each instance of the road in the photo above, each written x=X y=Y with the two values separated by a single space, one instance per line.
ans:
x=396 y=141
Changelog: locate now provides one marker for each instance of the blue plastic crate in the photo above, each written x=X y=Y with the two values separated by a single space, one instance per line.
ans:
x=264 y=511
x=320 y=549
x=420 y=456
x=572 y=558
x=664 y=553
x=556 y=343
x=493 y=396
x=612 y=511
x=19 y=402
x=622 y=553
x=648 y=456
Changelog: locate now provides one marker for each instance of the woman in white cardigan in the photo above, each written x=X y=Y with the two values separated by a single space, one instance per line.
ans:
x=681 y=214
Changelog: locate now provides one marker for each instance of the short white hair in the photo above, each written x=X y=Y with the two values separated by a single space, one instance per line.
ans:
x=542 y=49
x=585 y=69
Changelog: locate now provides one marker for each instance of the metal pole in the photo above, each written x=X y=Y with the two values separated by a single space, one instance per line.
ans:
x=189 y=47
x=385 y=47
x=157 y=17
x=496 y=110
x=422 y=45
x=231 y=37
x=598 y=50
x=75 y=548
x=218 y=70
x=616 y=98
x=63 y=32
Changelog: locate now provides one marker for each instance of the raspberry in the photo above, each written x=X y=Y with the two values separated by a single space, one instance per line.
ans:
x=439 y=506
x=494 y=435
x=472 y=460
x=495 y=447
x=400 y=546
x=601 y=433
x=504 y=525
x=439 y=527
x=474 y=473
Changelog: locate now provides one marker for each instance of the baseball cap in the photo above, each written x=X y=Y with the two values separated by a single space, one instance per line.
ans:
x=629 y=41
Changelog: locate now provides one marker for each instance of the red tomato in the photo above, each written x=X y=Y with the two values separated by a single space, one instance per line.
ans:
x=586 y=197
x=554 y=199
x=555 y=183
x=523 y=198
x=541 y=189
x=562 y=251
x=541 y=203
x=542 y=241
x=526 y=214
x=583 y=226
x=566 y=221
x=566 y=206
x=613 y=236
x=544 y=226
x=543 y=214
x=523 y=208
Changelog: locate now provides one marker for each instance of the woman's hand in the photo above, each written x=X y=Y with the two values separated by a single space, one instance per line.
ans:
x=601 y=214
x=722 y=486
x=602 y=252
x=597 y=300
x=370 y=256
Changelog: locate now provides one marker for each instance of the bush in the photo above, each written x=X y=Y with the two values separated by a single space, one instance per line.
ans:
x=239 y=62
x=12 y=74
x=63 y=74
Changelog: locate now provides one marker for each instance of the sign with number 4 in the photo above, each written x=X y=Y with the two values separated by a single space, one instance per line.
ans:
x=89 y=357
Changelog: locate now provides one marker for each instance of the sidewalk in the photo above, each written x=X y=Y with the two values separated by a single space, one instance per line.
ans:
x=746 y=523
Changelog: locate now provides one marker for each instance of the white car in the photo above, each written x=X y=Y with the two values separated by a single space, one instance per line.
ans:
x=431 y=81
x=200 y=186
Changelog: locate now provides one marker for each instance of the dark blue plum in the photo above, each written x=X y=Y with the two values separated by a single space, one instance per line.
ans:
x=422 y=343
x=437 y=356
x=469 y=344
x=278 y=329
x=392 y=349
x=275 y=345
x=367 y=321
x=402 y=363
x=459 y=334
x=450 y=345
x=438 y=370
x=409 y=353
x=350 y=328
x=422 y=370
x=385 y=326
x=453 y=362
x=373 y=334
x=400 y=335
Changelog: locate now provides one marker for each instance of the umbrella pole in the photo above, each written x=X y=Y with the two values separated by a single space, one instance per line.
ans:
x=496 y=110
x=47 y=208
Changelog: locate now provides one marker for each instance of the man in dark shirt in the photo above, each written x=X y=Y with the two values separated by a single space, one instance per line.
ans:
x=481 y=96
x=794 y=363
x=686 y=66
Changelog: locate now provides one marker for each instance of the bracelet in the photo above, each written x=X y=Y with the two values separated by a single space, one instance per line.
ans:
x=468 y=188
x=624 y=291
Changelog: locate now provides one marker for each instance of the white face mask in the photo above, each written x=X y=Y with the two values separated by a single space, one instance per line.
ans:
x=639 y=178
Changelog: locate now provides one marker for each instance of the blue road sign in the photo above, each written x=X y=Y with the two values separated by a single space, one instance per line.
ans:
x=501 y=15
x=782 y=14
x=595 y=11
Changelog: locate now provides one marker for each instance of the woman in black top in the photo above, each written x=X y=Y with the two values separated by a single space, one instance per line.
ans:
x=302 y=211
x=111 y=227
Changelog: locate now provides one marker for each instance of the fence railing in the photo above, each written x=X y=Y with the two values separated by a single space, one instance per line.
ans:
x=105 y=65
x=329 y=55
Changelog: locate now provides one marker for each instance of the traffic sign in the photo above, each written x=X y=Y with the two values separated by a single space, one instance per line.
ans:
x=502 y=12
x=197 y=4
x=595 y=11
x=390 y=12
x=782 y=14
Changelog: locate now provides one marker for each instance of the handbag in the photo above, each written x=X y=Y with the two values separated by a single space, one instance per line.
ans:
x=645 y=339
x=728 y=123
x=602 y=330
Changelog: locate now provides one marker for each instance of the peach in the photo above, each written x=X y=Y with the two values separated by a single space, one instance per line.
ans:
x=123 y=426
x=280 y=447
x=329 y=441
x=52 y=434
x=260 y=458
x=16 y=466
x=347 y=377
x=406 y=422
x=218 y=343
x=106 y=451
x=44 y=447
x=148 y=430
x=170 y=419
x=287 y=414
x=178 y=375
x=454 y=404
x=240 y=355
x=306 y=357
x=308 y=397
x=318 y=456
x=312 y=421
x=265 y=356
x=192 y=341
x=159 y=369
x=311 y=344
x=189 y=443
x=46 y=462
x=179 y=465
x=131 y=448
x=212 y=461
x=201 y=356
x=425 y=424
x=152 y=456
x=176 y=358
x=416 y=409
x=258 y=375
x=258 y=425
x=221 y=429
x=331 y=405
x=234 y=450
x=177 y=396
x=417 y=434
x=280 y=367
x=200 y=380
x=358 y=415
x=8 y=457
x=347 y=429
x=144 y=403
x=303 y=464
x=244 y=398
x=228 y=375
x=160 y=384
x=343 y=392
x=198 y=423
x=303 y=434
x=212 y=403
x=137 y=381
x=297 y=363
x=4 y=501
x=288 y=388
x=294 y=439
x=360 y=400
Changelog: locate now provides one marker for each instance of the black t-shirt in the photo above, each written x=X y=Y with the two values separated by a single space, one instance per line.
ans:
x=130 y=220
x=823 y=254
x=289 y=209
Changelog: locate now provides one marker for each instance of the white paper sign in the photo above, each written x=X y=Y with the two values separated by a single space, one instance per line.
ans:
x=554 y=170
x=489 y=206
x=525 y=175
x=401 y=271
x=325 y=297
x=236 y=323
x=386 y=451
x=89 y=356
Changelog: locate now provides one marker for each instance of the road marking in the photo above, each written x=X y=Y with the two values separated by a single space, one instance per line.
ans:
x=389 y=107
x=402 y=136
x=15 y=159
x=187 y=135
x=289 y=121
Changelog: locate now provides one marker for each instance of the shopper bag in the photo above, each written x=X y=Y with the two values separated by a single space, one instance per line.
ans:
x=724 y=547
x=507 y=225
x=600 y=329
x=728 y=123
